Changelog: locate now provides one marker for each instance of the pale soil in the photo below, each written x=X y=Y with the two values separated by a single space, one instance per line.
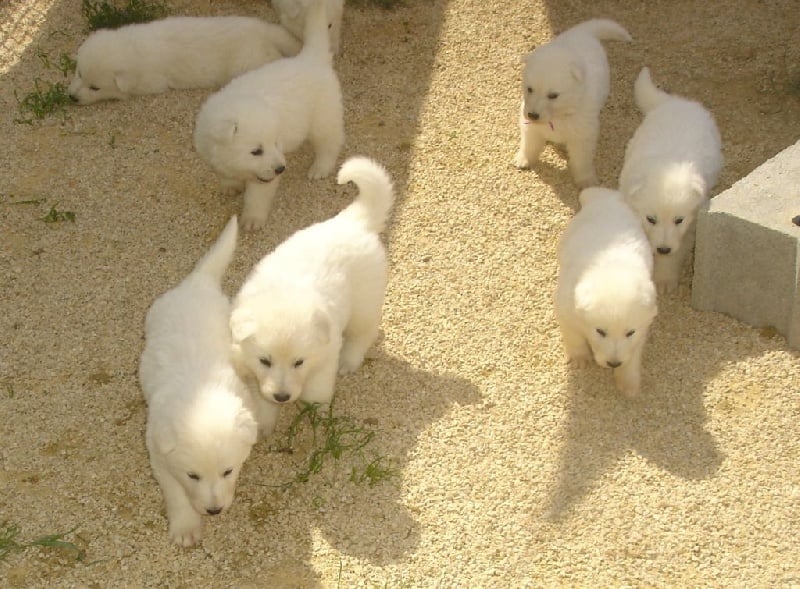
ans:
x=512 y=469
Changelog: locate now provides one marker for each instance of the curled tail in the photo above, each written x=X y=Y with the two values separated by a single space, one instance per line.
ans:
x=647 y=95
x=604 y=29
x=375 y=192
x=219 y=255
x=316 y=41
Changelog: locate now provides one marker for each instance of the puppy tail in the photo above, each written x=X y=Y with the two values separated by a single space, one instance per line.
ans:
x=647 y=95
x=605 y=29
x=218 y=257
x=375 y=192
x=316 y=41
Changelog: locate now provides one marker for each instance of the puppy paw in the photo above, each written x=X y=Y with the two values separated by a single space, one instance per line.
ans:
x=350 y=363
x=231 y=188
x=579 y=361
x=186 y=529
x=521 y=161
x=252 y=222
x=320 y=170
x=627 y=384
x=664 y=287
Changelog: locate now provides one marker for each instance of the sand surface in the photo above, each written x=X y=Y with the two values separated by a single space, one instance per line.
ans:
x=511 y=469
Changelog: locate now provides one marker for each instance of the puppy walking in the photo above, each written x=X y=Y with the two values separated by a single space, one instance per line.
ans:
x=605 y=299
x=313 y=306
x=178 y=52
x=671 y=163
x=565 y=85
x=245 y=129
x=199 y=427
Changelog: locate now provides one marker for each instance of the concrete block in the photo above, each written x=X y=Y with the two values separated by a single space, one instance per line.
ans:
x=747 y=253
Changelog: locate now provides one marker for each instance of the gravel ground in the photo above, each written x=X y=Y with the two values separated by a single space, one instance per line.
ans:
x=511 y=470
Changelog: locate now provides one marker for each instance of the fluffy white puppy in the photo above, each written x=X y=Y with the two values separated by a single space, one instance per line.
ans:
x=175 y=52
x=292 y=14
x=605 y=299
x=313 y=305
x=671 y=163
x=564 y=87
x=200 y=421
x=244 y=129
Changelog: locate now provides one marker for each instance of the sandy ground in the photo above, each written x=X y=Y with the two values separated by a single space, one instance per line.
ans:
x=512 y=470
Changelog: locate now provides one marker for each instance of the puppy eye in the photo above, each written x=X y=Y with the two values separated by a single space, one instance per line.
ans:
x=95 y=88
x=227 y=473
x=678 y=220
x=651 y=219
x=630 y=333
x=601 y=332
x=552 y=95
x=298 y=363
x=266 y=362
x=193 y=476
x=258 y=151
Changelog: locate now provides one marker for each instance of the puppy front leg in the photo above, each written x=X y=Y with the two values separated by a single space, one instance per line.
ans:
x=231 y=186
x=531 y=146
x=185 y=524
x=628 y=377
x=258 y=198
x=577 y=348
x=580 y=152
x=667 y=271
x=320 y=384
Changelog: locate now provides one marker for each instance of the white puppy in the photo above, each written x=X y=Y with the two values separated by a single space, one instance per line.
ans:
x=564 y=87
x=176 y=52
x=671 y=163
x=605 y=299
x=200 y=426
x=244 y=129
x=313 y=305
x=292 y=14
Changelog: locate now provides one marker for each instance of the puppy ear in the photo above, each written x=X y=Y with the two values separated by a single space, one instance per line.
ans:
x=576 y=70
x=246 y=426
x=322 y=327
x=124 y=81
x=242 y=325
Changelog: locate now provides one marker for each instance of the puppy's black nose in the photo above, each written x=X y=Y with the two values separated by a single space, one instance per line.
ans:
x=214 y=510
x=280 y=170
x=663 y=250
x=534 y=116
x=73 y=98
x=614 y=363
x=281 y=397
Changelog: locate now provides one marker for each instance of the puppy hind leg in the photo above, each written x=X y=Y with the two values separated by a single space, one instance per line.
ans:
x=360 y=334
x=327 y=139
x=580 y=152
x=257 y=203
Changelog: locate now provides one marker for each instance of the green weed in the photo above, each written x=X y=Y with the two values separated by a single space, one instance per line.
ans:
x=56 y=216
x=9 y=542
x=103 y=15
x=42 y=103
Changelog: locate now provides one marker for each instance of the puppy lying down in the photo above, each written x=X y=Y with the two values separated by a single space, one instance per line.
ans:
x=605 y=299
x=178 y=52
x=200 y=416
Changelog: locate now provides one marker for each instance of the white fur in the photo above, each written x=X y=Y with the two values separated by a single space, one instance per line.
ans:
x=564 y=87
x=605 y=299
x=200 y=418
x=292 y=14
x=671 y=163
x=175 y=52
x=314 y=304
x=244 y=129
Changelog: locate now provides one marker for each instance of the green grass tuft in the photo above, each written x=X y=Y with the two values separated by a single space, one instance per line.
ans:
x=56 y=216
x=42 y=103
x=9 y=542
x=103 y=15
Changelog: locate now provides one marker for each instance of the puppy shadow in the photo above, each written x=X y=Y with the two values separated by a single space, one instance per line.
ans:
x=552 y=170
x=355 y=512
x=664 y=425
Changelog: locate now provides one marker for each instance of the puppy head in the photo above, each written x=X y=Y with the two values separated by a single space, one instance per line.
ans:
x=100 y=73
x=278 y=339
x=616 y=309
x=242 y=139
x=667 y=203
x=205 y=447
x=552 y=84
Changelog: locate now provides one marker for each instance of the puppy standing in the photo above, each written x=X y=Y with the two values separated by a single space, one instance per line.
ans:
x=605 y=299
x=199 y=427
x=176 y=52
x=671 y=163
x=564 y=87
x=244 y=129
x=314 y=304
x=292 y=14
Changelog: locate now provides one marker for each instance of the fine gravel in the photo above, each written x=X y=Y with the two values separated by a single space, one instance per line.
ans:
x=507 y=468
